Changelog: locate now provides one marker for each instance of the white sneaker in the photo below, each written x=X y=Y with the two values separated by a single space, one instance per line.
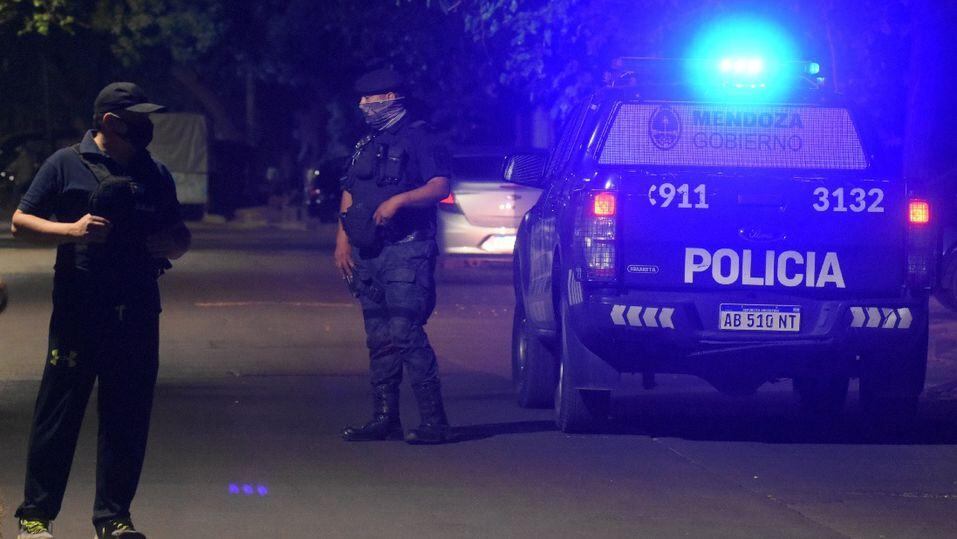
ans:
x=34 y=528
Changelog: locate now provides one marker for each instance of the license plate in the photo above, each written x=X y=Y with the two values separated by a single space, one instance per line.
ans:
x=737 y=317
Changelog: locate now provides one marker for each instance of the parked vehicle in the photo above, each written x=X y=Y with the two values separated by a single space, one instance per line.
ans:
x=180 y=141
x=741 y=240
x=480 y=217
x=323 y=193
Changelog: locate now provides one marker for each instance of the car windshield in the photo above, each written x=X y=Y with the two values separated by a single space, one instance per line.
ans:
x=733 y=136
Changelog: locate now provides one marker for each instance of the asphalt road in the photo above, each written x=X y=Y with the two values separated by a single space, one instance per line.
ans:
x=263 y=361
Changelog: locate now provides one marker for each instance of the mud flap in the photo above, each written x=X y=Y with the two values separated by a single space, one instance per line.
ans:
x=588 y=370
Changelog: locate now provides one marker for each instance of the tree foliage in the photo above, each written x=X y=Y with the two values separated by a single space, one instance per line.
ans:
x=35 y=16
x=475 y=62
x=185 y=29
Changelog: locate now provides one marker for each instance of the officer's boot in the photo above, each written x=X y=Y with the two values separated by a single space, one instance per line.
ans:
x=385 y=424
x=435 y=427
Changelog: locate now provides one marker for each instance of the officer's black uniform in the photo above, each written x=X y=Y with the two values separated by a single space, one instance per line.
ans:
x=395 y=267
x=105 y=324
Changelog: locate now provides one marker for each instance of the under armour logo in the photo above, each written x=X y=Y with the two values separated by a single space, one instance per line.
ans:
x=70 y=358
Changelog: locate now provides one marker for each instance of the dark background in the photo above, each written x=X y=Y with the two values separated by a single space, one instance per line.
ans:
x=274 y=77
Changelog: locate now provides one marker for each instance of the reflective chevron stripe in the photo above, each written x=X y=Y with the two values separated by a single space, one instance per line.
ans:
x=634 y=316
x=616 y=315
x=881 y=317
x=906 y=318
x=873 y=317
x=650 y=314
x=859 y=317
x=639 y=316
x=665 y=318
x=890 y=318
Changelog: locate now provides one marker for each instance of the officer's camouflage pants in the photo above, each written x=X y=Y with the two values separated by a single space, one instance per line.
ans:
x=90 y=340
x=397 y=293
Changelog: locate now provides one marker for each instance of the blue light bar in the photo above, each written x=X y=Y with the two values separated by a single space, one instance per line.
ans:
x=742 y=58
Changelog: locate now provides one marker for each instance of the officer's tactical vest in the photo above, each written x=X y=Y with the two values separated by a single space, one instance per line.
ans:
x=379 y=171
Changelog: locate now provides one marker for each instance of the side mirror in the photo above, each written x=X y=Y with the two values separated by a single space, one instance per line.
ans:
x=526 y=169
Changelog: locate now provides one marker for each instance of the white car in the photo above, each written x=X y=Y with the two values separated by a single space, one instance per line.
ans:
x=481 y=216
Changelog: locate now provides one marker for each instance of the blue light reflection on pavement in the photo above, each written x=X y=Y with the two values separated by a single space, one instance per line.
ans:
x=247 y=489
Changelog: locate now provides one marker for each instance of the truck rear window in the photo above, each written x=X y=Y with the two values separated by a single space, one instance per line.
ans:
x=733 y=136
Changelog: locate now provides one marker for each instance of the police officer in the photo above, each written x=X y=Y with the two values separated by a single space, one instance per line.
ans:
x=386 y=248
x=117 y=221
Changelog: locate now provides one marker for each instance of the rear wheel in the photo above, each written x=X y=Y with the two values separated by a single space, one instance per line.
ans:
x=534 y=366
x=890 y=387
x=947 y=293
x=577 y=410
x=821 y=396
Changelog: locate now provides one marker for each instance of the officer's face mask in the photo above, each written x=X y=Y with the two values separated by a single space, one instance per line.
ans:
x=137 y=131
x=378 y=114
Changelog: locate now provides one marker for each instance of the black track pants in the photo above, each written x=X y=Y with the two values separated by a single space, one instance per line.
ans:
x=118 y=346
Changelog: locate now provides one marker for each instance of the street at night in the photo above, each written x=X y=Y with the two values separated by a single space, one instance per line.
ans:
x=263 y=361
x=485 y=268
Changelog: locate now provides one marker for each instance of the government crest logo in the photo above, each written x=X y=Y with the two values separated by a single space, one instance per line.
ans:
x=664 y=128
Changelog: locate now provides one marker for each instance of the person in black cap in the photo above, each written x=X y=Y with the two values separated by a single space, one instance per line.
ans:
x=386 y=250
x=112 y=211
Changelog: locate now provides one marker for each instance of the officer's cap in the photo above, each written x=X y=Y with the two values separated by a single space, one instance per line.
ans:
x=119 y=96
x=379 y=81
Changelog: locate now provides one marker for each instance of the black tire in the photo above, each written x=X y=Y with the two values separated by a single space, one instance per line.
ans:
x=821 y=397
x=577 y=410
x=534 y=366
x=946 y=294
x=890 y=388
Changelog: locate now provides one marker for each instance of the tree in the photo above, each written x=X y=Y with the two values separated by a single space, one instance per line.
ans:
x=35 y=15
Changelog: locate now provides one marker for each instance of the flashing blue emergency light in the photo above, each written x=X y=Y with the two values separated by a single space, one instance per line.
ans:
x=744 y=58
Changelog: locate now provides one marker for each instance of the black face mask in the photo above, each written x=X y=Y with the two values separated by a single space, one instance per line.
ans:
x=139 y=134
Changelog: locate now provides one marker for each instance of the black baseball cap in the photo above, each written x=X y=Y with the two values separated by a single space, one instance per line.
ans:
x=119 y=96
x=379 y=81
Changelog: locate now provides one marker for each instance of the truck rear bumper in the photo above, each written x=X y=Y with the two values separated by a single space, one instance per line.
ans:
x=674 y=332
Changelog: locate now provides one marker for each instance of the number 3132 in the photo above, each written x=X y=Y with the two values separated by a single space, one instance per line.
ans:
x=855 y=200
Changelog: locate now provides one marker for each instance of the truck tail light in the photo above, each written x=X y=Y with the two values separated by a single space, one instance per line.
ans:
x=918 y=211
x=604 y=204
x=596 y=225
x=921 y=245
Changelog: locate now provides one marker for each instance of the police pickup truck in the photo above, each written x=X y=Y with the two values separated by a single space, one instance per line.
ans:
x=741 y=240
